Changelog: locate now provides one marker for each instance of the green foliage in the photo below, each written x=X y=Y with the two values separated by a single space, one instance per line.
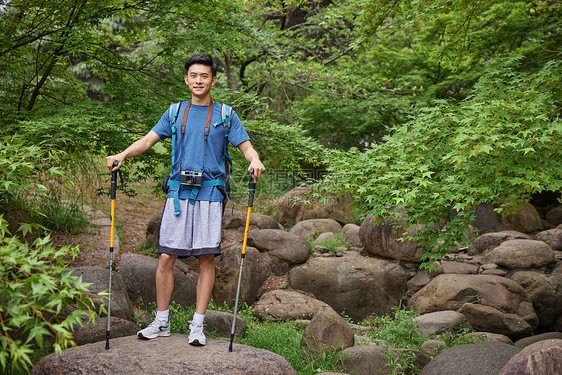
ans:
x=335 y=245
x=36 y=293
x=58 y=215
x=400 y=330
x=498 y=146
x=284 y=338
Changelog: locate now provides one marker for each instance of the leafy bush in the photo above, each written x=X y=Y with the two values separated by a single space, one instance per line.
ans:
x=37 y=294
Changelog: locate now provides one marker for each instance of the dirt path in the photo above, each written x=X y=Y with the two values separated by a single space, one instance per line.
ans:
x=131 y=219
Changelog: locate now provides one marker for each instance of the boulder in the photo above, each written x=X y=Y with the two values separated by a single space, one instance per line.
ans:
x=138 y=272
x=350 y=235
x=483 y=358
x=285 y=246
x=521 y=254
x=298 y=205
x=163 y=356
x=221 y=323
x=490 y=303
x=486 y=219
x=121 y=306
x=526 y=341
x=448 y=266
x=359 y=286
x=307 y=228
x=153 y=230
x=554 y=216
x=490 y=241
x=324 y=237
x=552 y=237
x=439 y=322
x=546 y=293
x=281 y=305
x=327 y=332
x=526 y=219
x=489 y=336
x=383 y=240
x=541 y=358
x=236 y=219
x=254 y=273
x=95 y=331
x=373 y=359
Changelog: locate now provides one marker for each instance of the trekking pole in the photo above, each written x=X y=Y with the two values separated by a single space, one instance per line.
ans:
x=113 y=194
x=252 y=187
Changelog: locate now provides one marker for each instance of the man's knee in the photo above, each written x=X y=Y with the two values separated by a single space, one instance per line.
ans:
x=207 y=262
x=166 y=262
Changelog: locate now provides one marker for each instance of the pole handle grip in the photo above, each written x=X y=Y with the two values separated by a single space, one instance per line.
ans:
x=113 y=192
x=252 y=187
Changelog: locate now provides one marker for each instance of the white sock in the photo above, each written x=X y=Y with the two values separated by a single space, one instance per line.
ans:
x=163 y=315
x=198 y=319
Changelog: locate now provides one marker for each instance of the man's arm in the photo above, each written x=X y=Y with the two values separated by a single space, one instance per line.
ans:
x=252 y=157
x=137 y=148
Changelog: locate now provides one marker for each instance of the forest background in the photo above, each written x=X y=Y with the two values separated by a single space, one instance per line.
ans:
x=434 y=106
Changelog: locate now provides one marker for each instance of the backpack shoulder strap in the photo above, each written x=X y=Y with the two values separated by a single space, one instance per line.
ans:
x=174 y=111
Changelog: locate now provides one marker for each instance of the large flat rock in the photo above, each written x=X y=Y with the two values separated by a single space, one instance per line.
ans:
x=162 y=356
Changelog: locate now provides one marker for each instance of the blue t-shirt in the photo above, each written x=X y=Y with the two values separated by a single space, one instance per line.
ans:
x=189 y=155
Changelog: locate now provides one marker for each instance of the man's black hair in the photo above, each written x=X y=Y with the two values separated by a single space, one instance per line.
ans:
x=204 y=59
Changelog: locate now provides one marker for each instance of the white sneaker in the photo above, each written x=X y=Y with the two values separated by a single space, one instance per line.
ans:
x=196 y=336
x=155 y=329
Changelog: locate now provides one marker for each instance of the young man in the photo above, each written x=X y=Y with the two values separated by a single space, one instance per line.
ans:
x=192 y=217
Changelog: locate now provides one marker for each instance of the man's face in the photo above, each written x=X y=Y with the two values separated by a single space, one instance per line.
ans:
x=200 y=80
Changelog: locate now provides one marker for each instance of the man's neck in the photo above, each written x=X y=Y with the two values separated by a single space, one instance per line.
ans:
x=201 y=101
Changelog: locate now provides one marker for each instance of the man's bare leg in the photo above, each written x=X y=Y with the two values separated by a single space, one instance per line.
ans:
x=205 y=282
x=165 y=281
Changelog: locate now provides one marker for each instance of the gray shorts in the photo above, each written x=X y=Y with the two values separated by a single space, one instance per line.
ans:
x=195 y=231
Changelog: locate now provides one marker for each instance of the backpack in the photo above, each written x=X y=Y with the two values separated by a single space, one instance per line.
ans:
x=222 y=183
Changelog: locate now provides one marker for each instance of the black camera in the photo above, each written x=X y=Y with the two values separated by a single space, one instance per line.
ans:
x=191 y=178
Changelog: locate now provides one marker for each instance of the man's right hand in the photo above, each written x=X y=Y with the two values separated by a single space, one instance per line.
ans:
x=109 y=161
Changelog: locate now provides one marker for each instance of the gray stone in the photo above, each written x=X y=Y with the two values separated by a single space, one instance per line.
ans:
x=307 y=228
x=439 y=322
x=285 y=246
x=163 y=356
x=254 y=273
x=489 y=336
x=541 y=358
x=491 y=303
x=95 y=332
x=484 y=358
x=327 y=332
x=552 y=237
x=546 y=293
x=153 y=230
x=454 y=267
x=554 y=216
x=323 y=237
x=521 y=254
x=383 y=240
x=373 y=360
x=236 y=219
x=281 y=305
x=526 y=341
x=350 y=235
x=138 y=273
x=121 y=306
x=526 y=219
x=298 y=205
x=490 y=241
x=359 y=286
x=221 y=323
x=486 y=219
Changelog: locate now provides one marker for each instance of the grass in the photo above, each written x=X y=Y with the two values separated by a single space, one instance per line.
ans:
x=62 y=216
x=335 y=245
